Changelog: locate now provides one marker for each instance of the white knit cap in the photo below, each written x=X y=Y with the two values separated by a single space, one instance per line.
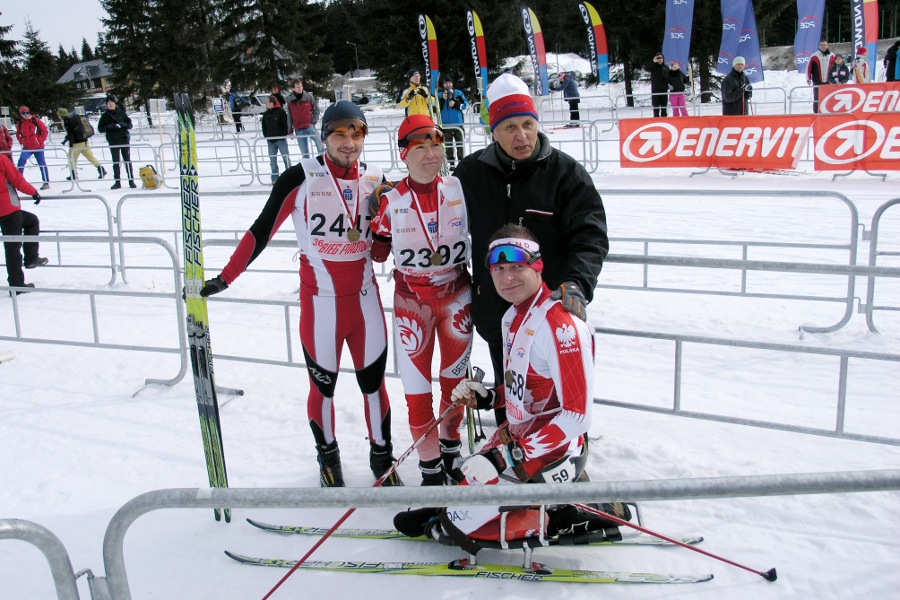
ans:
x=508 y=97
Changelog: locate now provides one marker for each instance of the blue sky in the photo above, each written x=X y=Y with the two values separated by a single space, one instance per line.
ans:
x=57 y=21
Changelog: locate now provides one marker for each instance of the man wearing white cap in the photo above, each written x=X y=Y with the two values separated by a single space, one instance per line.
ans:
x=736 y=89
x=520 y=178
x=861 y=66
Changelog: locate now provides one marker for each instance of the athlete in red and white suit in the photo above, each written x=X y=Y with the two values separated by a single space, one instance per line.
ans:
x=331 y=200
x=548 y=382
x=424 y=219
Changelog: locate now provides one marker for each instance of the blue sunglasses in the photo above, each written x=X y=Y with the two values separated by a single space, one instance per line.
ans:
x=508 y=253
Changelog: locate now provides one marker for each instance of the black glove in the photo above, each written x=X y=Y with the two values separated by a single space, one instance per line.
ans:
x=572 y=299
x=115 y=126
x=748 y=87
x=422 y=92
x=213 y=286
x=36 y=198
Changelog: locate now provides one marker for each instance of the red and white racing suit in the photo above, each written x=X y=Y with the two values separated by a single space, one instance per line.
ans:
x=549 y=376
x=432 y=297
x=339 y=299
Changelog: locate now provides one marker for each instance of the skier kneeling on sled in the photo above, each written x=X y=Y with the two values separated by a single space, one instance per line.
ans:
x=547 y=392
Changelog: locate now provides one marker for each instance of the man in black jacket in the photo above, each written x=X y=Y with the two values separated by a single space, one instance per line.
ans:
x=736 y=89
x=659 y=85
x=116 y=123
x=520 y=178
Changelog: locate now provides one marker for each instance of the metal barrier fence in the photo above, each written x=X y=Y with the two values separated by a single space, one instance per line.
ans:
x=870 y=307
x=850 y=247
x=114 y=586
x=97 y=340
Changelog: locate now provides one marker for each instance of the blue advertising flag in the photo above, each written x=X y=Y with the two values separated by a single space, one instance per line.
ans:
x=677 y=42
x=748 y=47
x=809 y=31
x=733 y=14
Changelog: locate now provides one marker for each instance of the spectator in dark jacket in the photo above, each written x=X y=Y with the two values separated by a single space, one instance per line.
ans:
x=77 y=138
x=32 y=135
x=275 y=130
x=839 y=72
x=736 y=89
x=521 y=178
x=570 y=94
x=891 y=67
x=659 y=85
x=15 y=221
x=116 y=124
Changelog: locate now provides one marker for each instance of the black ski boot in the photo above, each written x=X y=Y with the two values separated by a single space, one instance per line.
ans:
x=567 y=519
x=330 y=472
x=417 y=522
x=380 y=460
x=433 y=472
x=101 y=172
x=453 y=460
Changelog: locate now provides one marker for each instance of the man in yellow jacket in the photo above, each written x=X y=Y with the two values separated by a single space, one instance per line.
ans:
x=415 y=99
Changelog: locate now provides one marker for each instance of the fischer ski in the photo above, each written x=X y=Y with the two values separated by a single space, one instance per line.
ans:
x=393 y=534
x=199 y=345
x=462 y=568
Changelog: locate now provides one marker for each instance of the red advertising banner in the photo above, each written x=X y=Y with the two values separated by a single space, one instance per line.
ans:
x=880 y=97
x=748 y=142
x=857 y=141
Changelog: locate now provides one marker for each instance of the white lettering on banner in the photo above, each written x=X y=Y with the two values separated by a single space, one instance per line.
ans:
x=856 y=99
x=858 y=23
x=853 y=146
x=653 y=141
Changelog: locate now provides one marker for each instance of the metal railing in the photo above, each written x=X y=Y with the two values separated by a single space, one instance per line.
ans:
x=874 y=252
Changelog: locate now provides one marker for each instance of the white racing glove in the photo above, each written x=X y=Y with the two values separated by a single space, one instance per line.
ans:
x=478 y=470
x=473 y=394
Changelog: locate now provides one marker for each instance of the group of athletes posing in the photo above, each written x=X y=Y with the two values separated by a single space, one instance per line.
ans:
x=533 y=225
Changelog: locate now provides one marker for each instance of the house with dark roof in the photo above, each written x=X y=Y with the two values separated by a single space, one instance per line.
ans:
x=90 y=77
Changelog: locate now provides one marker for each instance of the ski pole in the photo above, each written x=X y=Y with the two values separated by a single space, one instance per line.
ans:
x=769 y=575
x=476 y=432
x=378 y=483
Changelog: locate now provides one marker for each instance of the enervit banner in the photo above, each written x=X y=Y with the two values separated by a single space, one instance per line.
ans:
x=809 y=31
x=764 y=142
x=870 y=142
x=869 y=98
x=679 y=21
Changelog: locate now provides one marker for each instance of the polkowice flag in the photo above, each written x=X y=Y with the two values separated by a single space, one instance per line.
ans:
x=596 y=33
x=748 y=46
x=677 y=41
x=733 y=14
x=809 y=31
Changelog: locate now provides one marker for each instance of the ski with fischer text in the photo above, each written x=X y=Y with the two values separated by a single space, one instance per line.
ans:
x=462 y=568
x=393 y=534
x=199 y=345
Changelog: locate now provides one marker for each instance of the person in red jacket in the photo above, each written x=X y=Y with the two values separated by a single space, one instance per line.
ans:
x=32 y=134
x=303 y=114
x=5 y=142
x=15 y=221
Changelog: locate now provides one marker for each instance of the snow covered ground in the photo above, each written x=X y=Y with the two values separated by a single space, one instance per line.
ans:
x=76 y=443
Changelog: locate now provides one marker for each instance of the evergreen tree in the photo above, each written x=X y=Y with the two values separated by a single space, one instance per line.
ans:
x=38 y=87
x=64 y=61
x=263 y=43
x=86 y=52
x=9 y=70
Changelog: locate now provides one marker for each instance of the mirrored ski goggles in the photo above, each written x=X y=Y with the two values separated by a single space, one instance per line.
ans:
x=349 y=127
x=421 y=136
x=508 y=253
